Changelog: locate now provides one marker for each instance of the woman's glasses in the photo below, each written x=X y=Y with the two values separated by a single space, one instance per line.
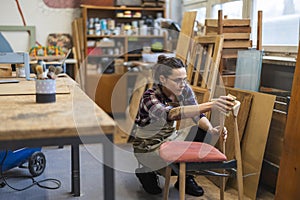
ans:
x=179 y=81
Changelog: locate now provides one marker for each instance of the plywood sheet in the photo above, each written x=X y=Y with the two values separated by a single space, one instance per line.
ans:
x=185 y=35
x=246 y=101
x=254 y=140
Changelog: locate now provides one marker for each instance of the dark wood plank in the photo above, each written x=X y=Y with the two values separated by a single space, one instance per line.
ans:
x=289 y=173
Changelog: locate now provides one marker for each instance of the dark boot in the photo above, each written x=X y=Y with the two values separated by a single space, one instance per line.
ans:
x=149 y=181
x=191 y=187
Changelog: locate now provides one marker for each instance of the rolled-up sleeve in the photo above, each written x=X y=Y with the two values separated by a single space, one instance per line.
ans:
x=190 y=99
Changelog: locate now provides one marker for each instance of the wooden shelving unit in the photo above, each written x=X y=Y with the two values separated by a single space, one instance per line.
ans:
x=111 y=13
x=126 y=45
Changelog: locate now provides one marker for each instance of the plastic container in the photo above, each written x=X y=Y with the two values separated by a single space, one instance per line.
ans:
x=35 y=158
x=45 y=90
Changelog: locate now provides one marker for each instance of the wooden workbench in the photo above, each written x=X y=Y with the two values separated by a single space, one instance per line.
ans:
x=73 y=119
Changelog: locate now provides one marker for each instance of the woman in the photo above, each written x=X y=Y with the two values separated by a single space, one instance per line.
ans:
x=170 y=99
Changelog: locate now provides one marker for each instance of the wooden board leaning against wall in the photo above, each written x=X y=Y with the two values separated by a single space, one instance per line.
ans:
x=254 y=137
x=289 y=176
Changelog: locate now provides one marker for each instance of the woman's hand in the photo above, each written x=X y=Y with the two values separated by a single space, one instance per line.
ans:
x=223 y=104
x=215 y=131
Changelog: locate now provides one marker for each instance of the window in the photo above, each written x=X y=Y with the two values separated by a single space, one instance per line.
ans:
x=281 y=18
x=233 y=10
x=280 y=21
x=201 y=14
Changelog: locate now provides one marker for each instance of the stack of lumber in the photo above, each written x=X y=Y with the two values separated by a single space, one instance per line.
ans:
x=236 y=34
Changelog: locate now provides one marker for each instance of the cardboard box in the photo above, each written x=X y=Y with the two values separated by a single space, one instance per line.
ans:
x=5 y=70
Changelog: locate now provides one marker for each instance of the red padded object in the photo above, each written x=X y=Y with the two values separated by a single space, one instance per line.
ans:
x=183 y=151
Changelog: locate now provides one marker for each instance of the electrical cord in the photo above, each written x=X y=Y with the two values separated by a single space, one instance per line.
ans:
x=34 y=182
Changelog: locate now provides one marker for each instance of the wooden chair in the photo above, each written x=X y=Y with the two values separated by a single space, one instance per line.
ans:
x=201 y=159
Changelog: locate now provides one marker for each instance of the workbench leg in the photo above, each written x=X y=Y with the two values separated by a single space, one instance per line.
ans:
x=108 y=164
x=75 y=170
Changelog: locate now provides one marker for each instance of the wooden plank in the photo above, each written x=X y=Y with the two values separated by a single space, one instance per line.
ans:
x=243 y=44
x=78 y=42
x=206 y=39
x=185 y=35
x=234 y=36
x=259 y=31
x=76 y=52
x=229 y=30
x=289 y=173
x=254 y=140
x=220 y=22
x=227 y=22
x=82 y=64
x=236 y=22
x=230 y=53
x=216 y=62
x=211 y=22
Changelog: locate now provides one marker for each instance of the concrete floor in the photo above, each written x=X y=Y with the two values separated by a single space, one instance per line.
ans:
x=126 y=184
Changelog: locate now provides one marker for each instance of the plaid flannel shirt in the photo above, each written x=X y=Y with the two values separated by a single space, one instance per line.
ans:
x=153 y=125
x=155 y=105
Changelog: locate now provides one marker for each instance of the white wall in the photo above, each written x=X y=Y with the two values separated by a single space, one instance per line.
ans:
x=36 y=13
x=48 y=20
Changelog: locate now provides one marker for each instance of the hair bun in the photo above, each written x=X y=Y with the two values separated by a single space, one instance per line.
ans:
x=161 y=58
